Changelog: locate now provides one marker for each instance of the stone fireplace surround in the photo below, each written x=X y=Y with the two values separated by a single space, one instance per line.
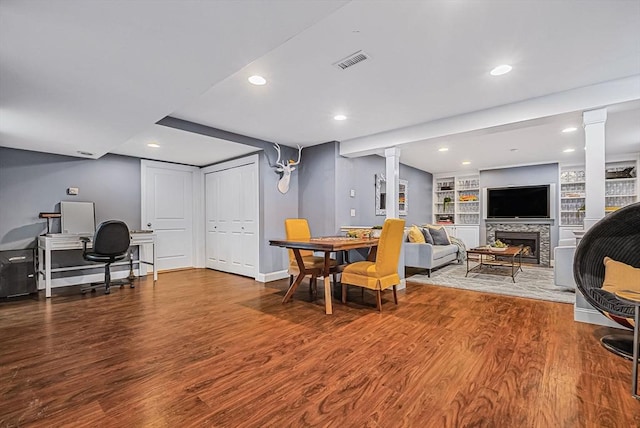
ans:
x=543 y=229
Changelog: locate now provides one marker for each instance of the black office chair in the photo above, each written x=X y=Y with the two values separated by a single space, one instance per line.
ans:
x=110 y=243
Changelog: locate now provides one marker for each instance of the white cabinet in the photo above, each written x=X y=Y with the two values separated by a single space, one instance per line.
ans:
x=470 y=235
x=456 y=200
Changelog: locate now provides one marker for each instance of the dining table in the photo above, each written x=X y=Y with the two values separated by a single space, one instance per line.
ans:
x=327 y=245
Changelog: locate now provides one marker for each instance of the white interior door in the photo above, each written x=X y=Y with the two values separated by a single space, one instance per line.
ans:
x=232 y=219
x=243 y=220
x=168 y=210
x=217 y=231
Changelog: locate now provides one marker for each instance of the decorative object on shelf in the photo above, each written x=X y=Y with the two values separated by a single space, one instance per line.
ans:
x=446 y=203
x=376 y=231
x=286 y=168
x=381 y=196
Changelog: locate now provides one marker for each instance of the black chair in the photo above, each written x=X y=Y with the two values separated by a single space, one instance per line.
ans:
x=618 y=237
x=110 y=243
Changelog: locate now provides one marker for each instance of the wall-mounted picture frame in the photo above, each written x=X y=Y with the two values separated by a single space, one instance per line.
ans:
x=381 y=196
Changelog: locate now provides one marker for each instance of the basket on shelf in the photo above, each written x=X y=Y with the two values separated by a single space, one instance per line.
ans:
x=628 y=172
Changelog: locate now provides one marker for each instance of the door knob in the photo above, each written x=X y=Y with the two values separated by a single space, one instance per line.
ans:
x=148 y=224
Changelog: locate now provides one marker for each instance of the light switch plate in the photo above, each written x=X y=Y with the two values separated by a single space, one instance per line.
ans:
x=353 y=212
x=353 y=193
x=72 y=191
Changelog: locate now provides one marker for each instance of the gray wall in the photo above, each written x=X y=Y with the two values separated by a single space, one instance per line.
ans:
x=317 y=196
x=521 y=176
x=33 y=182
x=274 y=209
x=330 y=178
x=420 y=195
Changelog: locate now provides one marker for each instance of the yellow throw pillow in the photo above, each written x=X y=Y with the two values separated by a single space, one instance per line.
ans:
x=415 y=235
x=620 y=276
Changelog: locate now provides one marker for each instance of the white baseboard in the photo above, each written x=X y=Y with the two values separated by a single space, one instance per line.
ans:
x=272 y=276
x=402 y=285
x=591 y=316
x=87 y=279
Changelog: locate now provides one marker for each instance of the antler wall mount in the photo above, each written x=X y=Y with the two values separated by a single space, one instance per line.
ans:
x=286 y=168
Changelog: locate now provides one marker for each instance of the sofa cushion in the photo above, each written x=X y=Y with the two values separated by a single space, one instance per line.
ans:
x=439 y=235
x=620 y=276
x=415 y=235
x=441 y=251
x=427 y=236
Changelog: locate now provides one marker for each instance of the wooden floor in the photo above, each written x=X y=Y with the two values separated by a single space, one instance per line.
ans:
x=203 y=348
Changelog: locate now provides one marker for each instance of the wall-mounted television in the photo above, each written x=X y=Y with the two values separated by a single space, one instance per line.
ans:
x=519 y=202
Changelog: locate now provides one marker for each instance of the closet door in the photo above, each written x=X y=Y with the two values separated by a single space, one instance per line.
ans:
x=232 y=220
x=241 y=194
x=216 y=226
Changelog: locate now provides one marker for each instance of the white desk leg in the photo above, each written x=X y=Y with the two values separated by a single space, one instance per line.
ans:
x=47 y=271
x=155 y=263
x=40 y=272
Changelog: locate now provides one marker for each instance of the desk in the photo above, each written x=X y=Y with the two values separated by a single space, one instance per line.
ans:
x=632 y=297
x=56 y=242
x=327 y=245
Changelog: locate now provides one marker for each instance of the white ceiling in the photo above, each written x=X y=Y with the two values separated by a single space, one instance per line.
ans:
x=95 y=77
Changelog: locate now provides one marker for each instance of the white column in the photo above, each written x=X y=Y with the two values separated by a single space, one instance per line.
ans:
x=594 y=135
x=392 y=156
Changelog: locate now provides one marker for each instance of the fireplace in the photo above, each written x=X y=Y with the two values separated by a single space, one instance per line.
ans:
x=530 y=242
x=542 y=248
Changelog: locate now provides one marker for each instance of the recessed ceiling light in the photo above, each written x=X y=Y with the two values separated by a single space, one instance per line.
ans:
x=443 y=149
x=501 y=69
x=466 y=162
x=154 y=145
x=340 y=117
x=257 y=80
x=570 y=129
x=569 y=150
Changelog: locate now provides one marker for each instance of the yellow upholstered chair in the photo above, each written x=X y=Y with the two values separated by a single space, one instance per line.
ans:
x=298 y=228
x=383 y=273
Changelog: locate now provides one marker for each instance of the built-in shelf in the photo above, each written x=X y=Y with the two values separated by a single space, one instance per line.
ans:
x=573 y=191
x=459 y=210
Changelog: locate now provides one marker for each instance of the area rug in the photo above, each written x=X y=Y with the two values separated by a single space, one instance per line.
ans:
x=533 y=282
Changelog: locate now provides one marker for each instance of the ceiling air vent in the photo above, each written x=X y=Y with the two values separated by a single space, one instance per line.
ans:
x=352 y=59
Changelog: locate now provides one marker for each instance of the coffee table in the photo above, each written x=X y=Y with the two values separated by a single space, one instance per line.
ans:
x=489 y=257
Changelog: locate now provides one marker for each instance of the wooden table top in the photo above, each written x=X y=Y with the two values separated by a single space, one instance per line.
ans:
x=509 y=251
x=327 y=243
